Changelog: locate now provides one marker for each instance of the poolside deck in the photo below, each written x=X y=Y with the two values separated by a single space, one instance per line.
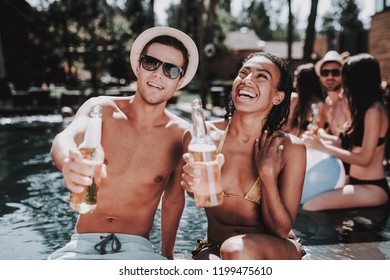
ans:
x=354 y=251
x=350 y=234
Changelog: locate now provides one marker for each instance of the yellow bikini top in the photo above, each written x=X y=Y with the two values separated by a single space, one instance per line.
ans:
x=254 y=193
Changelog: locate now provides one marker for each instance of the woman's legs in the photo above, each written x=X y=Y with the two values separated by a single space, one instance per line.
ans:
x=349 y=196
x=260 y=247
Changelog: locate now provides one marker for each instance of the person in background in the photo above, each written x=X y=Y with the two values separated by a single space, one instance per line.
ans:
x=336 y=104
x=142 y=143
x=329 y=71
x=308 y=113
x=263 y=170
x=309 y=91
x=366 y=135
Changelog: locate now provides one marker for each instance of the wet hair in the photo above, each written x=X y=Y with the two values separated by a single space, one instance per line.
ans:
x=279 y=113
x=172 y=42
x=362 y=85
x=310 y=91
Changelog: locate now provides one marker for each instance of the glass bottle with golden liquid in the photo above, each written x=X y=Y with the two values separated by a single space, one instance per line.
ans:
x=92 y=151
x=208 y=192
x=313 y=125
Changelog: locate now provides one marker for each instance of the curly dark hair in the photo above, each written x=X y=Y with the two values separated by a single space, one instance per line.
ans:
x=309 y=91
x=279 y=113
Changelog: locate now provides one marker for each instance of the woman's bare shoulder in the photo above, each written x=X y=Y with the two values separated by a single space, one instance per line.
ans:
x=294 y=149
x=290 y=140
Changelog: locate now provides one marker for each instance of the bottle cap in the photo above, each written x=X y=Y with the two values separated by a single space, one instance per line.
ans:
x=196 y=103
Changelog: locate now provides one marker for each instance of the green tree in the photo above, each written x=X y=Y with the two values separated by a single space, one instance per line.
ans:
x=140 y=14
x=329 y=30
x=310 y=32
x=79 y=32
x=226 y=5
x=342 y=23
x=91 y=35
x=255 y=17
x=207 y=22
x=348 y=16
x=184 y=16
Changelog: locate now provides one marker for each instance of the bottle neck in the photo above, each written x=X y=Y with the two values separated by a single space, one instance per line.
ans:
x=92 y=136
x=314 y=113
x=199 y=124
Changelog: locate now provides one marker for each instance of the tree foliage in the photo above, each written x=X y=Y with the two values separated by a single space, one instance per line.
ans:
x=96 y=35
x=310 y=32
x=348 y=14
x=342 y=22
x=343 y=17
x=90 y=35
x=255 y=17
x=328 y=29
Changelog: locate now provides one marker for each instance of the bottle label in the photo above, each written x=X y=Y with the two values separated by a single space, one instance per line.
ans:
x=85 y=201
x=203 y=152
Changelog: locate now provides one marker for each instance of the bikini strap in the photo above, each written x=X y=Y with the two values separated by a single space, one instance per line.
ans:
x=222 y=142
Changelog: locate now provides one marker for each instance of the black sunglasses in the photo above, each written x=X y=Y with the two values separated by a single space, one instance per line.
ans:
x=151 y=63
x=333 y=72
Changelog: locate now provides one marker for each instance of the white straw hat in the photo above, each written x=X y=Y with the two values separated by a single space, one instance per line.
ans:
x=328 y=57
x=151 y=33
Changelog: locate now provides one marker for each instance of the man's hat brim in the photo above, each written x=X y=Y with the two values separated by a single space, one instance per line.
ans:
x=151 y=33
x=330 y=56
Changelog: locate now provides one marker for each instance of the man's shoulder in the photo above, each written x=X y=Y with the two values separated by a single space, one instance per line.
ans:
x=106 y=101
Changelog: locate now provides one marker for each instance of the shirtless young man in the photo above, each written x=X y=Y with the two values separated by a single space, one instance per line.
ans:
x=336 y=104
x=142 y=142
x=262 y=174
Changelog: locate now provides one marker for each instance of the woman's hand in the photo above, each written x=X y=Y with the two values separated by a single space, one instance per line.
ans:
x=269 y=156
x=313 y=141
x=191 y=171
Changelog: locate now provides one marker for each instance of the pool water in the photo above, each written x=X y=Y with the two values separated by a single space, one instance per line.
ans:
x=35 y=218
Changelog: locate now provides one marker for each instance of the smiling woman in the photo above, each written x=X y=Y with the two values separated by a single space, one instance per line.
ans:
x=262 y=168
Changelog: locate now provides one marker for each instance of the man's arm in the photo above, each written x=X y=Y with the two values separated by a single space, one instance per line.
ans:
x=73 y=134
x=68 y=139
x=64 y=150
x=171 y=211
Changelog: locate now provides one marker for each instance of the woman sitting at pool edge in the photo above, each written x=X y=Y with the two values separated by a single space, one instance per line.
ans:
x=366 y=136
x=259 y=159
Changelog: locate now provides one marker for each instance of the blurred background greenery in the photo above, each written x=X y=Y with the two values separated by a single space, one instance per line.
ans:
x=84 y=45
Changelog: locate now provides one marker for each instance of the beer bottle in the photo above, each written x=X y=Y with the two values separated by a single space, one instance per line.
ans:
x=92 y=151
x=207 y=192
x=313 y=125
